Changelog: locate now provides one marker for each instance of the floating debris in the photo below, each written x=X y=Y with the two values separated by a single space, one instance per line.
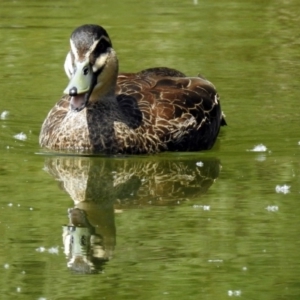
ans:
x=285 y=189
x=204 y=207
x=40 y=249
x=215 y=260
x=259 y=148
x=234 y=293
x=21 y=136
x=199 y=164
x=4 y=115
x=53 y=250
x=272 y=208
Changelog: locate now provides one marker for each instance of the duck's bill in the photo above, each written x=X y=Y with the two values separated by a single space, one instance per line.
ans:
x=79 y=85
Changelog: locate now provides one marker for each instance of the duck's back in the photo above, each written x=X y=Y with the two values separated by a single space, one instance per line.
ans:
x=179 y=113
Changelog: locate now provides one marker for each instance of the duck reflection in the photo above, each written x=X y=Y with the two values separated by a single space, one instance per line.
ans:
x=100 y=187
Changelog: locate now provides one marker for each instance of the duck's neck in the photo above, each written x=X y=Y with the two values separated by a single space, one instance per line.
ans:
x=106 y=81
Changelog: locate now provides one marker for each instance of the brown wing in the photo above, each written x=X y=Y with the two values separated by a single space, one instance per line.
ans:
x=182 y=112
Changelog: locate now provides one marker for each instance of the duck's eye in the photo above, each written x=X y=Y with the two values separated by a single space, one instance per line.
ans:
x=85 y=70
x=100 y=46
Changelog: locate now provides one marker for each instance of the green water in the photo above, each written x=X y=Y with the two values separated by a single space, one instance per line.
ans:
x=206 y=225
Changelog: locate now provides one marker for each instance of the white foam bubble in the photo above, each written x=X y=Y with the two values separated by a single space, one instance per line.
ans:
x=21 y=136
x=284 y=189
x=53 y=250
x=259 y=148
x=40 y=249
x=204 y=207
x=272 y=208
x=4 y=115
x=236 y=293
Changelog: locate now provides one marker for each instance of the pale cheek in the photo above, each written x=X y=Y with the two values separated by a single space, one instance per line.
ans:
x=100 y=62
x=68 y=66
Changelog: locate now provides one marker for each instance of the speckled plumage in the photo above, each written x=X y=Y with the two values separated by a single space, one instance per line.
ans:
x=158 y=109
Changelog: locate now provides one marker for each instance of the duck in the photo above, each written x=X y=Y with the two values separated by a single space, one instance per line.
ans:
x=104 y=111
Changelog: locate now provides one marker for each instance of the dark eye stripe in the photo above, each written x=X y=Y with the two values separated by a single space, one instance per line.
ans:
x=99 y=49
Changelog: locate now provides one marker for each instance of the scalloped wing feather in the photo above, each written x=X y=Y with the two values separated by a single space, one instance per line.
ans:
x=178 y=113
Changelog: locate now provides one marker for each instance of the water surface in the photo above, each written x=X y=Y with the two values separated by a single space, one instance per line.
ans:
x=208 y=225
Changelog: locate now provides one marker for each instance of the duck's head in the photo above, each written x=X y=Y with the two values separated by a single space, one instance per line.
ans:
x=91 y=65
